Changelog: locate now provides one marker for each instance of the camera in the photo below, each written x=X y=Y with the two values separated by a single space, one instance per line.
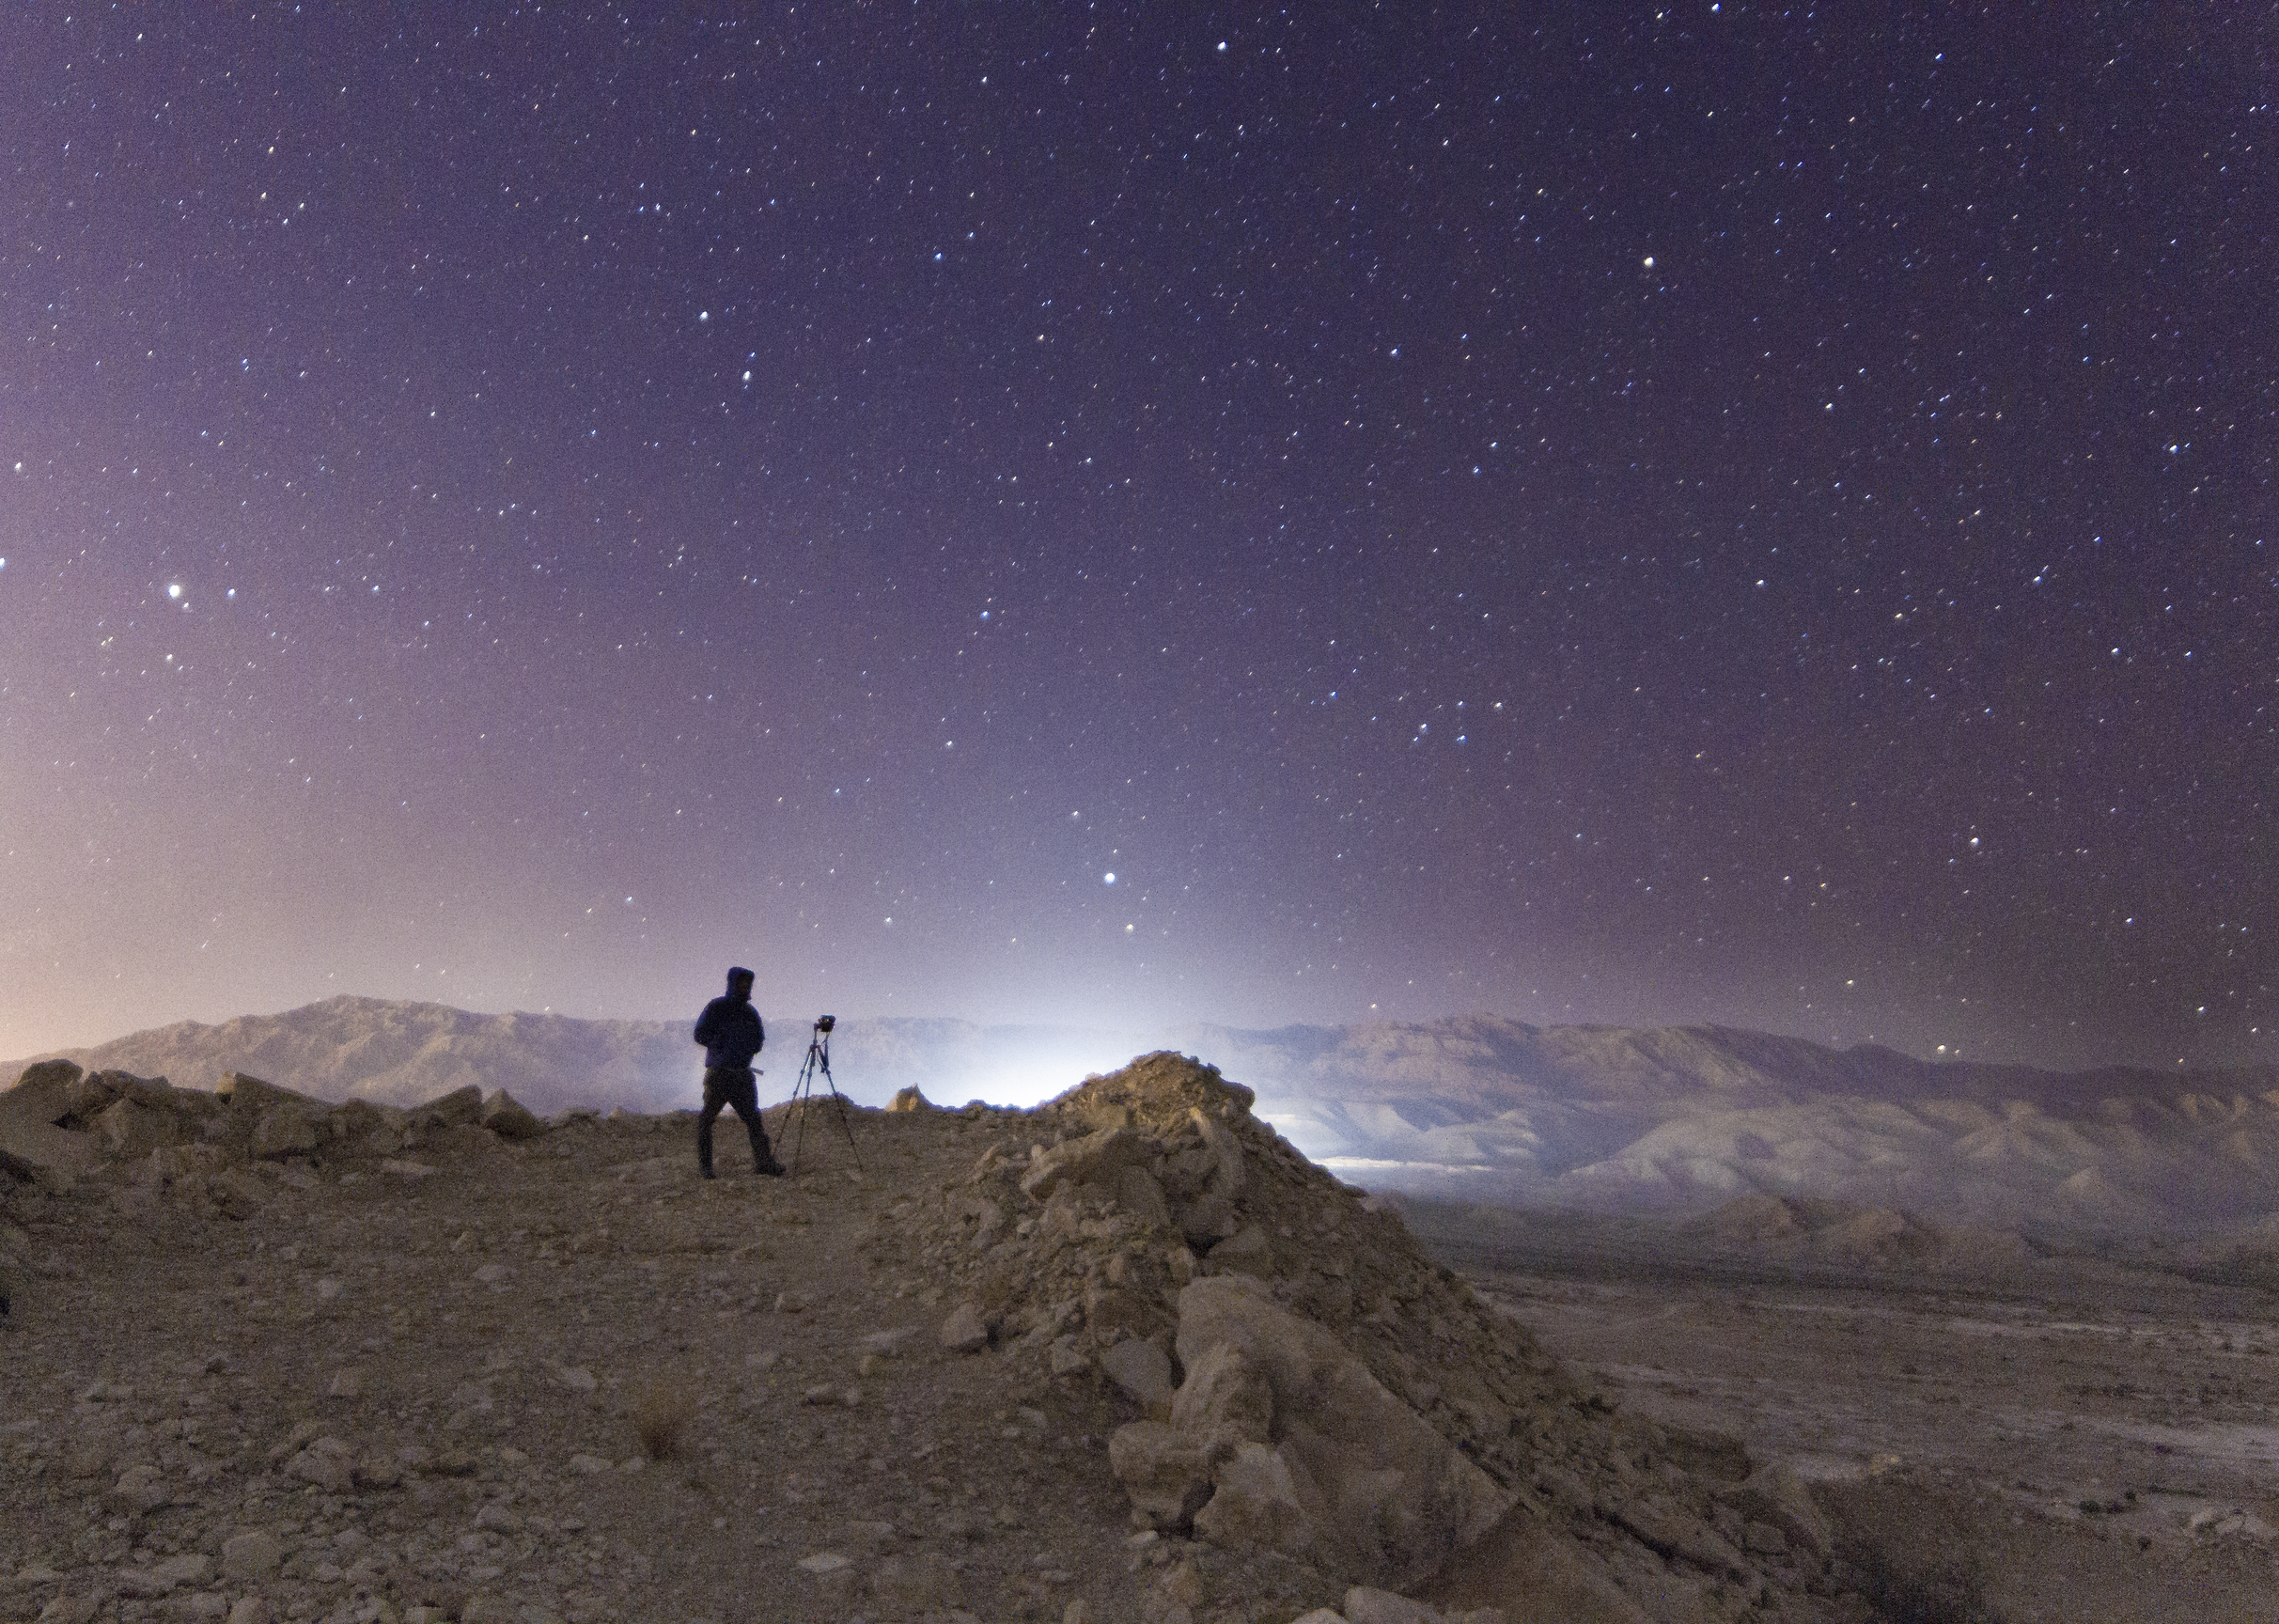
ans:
x=826 y=1022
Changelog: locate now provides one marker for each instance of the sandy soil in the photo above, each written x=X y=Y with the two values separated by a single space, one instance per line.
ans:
x=2071 y=1441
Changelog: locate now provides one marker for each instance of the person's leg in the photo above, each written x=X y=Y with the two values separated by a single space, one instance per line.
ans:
x=746 y=1101
x=713 y=1100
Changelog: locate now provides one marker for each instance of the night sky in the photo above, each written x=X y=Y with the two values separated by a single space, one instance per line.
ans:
x=1130 y=515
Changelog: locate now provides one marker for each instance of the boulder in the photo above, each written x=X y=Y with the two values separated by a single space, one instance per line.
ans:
x=1166 y=1472
x=42 y=1090
x=1777 y=1495
x=1211 y=1214
x=909 y=1100
x=250 y=1098
x=285 y=1129
x=1143 y=1370
x=238 y=1192
x=129 y=1130
x=1138 y=1193
x=509 y=1118
x=1247 y=1251
x=364 y=1128
x=1095 y=1159
x=1263 y=1498
x=31 y=1143
x=1396 y=1497
x=1226 y=1399
x=461 y=1108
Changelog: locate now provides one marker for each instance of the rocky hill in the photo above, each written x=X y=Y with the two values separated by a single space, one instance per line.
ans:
x=1128 y=1356
x=1612 y=1119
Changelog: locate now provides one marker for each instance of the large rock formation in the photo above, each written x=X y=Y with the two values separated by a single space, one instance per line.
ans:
x=58 y=1123
x=1304 y=1381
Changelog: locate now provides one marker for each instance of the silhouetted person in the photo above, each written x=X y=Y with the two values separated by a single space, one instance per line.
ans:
x=731 y=1034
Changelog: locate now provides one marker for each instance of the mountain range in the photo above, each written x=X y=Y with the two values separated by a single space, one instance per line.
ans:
x=1482 y=1108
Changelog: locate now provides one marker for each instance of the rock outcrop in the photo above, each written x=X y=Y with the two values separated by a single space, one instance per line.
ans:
x=58 y=1123
x=1303 y=1381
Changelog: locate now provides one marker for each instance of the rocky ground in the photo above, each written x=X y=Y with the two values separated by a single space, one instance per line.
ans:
x=2061 y=1436
x=1124 y=1357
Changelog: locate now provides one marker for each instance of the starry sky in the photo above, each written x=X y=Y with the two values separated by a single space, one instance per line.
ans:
x=1117 y=514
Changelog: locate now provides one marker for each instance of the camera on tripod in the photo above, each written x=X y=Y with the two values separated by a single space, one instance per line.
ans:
x=818 y=1063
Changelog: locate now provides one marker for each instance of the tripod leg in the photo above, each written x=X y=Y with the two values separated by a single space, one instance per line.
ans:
x=846 y=1126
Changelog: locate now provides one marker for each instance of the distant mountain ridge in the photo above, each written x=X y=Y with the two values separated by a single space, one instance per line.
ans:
x=400 y=1053
x=1683 y=1118
x=1610 y=1119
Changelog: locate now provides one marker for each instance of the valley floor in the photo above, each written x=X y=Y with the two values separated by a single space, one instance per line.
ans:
x=2067 y=1442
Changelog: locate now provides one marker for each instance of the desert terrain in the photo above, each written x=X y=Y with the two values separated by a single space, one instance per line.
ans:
x=2083 y=1435
x=1125 y=1356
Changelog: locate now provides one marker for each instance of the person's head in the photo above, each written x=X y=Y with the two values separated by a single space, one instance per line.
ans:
x=739 y=982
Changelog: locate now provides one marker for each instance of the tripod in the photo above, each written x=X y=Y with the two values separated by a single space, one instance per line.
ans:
x=818 y=1063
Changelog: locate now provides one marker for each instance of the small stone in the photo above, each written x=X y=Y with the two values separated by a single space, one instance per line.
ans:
x=190 y=1567
x=138 y=1491
x=327 y=1289
x=252 y=1556
x=965 y=1331
x=588 y=1464
x=376 y=1471
x=325 y=1463
x=252 y=1609
x=911 y=1585
x=346 y=1384
x=833 y=1576
x=1363 y=1605
x=488 y=1607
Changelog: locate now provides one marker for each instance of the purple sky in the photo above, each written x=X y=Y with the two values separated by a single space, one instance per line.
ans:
x=1578 y=512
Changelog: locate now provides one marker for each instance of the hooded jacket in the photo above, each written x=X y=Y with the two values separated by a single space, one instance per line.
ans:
x=731 y=1033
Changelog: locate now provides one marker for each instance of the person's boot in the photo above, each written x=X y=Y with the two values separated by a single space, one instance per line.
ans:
x=770 y=1169
x=704 y=1169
